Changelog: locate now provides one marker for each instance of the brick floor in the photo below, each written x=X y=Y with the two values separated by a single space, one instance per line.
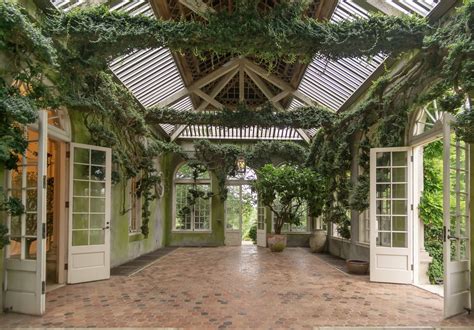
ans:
x=235 y=287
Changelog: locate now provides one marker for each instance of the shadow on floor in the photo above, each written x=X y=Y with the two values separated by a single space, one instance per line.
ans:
x=137 y=264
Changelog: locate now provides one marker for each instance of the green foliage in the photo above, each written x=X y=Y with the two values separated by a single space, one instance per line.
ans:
x=14 y=207
x=359 y=194
x=431 y=208
x=252 y=233
x=24 y=38
x=283 y=32
x=275 y=152
x=243 y=116
x=16 y=111
x=278 y=247
x=284 y=189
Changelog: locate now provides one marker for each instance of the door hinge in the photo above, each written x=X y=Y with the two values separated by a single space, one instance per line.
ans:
x=68 y=154
x=44 y=181
x=67 y=204
x=411 y=158
x=66 y=266
x=411 y=267
x=411 y=207
x=44 y=230
x=444 y=233
x=43 y=287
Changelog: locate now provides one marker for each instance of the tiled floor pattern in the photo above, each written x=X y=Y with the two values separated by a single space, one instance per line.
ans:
x=237 y=287
x=137 y=264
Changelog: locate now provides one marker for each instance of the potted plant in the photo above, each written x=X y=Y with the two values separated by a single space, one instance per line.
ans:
x=284 y=189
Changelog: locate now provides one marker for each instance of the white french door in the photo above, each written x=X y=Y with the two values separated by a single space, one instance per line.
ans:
x=233 y=215
x=89 y=213
x=456 y=214
x=391 y=229
x=25 y=262
x=261 y=226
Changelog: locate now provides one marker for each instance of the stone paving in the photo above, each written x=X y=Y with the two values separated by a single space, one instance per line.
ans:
x=238 y=287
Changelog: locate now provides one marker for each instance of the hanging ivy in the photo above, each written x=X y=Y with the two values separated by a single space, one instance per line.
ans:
x=244 y=116
x=283 y=32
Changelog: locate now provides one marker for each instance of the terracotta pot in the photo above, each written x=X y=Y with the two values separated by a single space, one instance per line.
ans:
x=276 y=243
x=358 y=267
x=317 y=241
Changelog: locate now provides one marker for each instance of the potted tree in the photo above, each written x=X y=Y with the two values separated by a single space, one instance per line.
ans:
x=284 y=189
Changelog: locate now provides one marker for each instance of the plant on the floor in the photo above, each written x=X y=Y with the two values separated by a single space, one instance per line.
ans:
x=285 y=189
x=252 y=233
x=431 y=208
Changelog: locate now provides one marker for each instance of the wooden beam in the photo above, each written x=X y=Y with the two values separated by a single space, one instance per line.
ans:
x=207 y=98
x=174 y=98
x=280 y=83
x=198 y=6
x=218 y=87
x=177 y=132
x=303 y=135
x=265 y=90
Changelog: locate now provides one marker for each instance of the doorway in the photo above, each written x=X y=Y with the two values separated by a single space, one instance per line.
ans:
x=241 y=209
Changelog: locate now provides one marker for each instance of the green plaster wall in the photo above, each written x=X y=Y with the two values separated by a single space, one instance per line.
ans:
x=215 y=237
x=123 y=246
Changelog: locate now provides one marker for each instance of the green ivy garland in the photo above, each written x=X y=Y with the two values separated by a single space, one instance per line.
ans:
x=244 y=116
x=283 y=32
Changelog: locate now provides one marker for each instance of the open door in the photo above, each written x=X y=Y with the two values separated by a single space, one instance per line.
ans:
x=391 y=230
x=89 y=213
x=261 y=226
x=456 y=223
x=25 y=262
x=233 y=216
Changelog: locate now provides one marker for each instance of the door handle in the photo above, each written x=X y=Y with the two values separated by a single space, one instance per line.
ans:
x=106 y=227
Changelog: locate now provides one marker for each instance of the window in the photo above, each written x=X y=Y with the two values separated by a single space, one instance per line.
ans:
x=196 y=217
x=364 y=227
x=135 y=220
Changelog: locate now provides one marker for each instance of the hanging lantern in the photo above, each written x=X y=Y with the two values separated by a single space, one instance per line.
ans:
x=241 y=165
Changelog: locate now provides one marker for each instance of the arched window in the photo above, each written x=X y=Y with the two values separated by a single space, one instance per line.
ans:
x=427 y=123
x=192 y=213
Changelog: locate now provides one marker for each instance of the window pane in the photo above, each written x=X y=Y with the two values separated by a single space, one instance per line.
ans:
x=80 y=221
x=97 y=221
x=98 y=173
x=400 y=240
x=383 y=158
x=383 y=190
x=97 y=204
x=80 y=237
x=383 y=207
x=30 y=248
x=383 y=174
x=81 y=155
x=399 y=158
x=98 y=189
x=399 y=175
x=399 y=223
x=81 y=188
x=31 y=223
x=81 y=172
x=97 y=157
x=96 y=237
x=80 y=204
x=399 y=191
x=384 y=239
x=399 y=207
x=384 y=223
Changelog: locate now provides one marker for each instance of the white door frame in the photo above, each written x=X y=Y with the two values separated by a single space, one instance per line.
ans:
x=382 y=269
x=90 y=262
x=457 y=272
x=231 y=234
x=25 y=279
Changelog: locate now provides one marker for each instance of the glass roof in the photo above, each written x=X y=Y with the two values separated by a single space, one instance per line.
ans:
x=153 y=76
